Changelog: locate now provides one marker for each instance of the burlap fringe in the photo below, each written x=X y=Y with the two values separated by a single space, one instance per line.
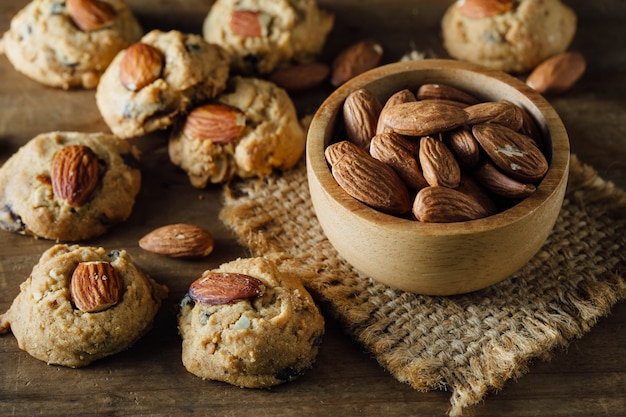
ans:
x=469 y=344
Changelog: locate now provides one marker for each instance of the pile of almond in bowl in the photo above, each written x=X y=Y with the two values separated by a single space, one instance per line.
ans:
x=438 y=155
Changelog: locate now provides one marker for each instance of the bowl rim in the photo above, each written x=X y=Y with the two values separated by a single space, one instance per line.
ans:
x=324 y=121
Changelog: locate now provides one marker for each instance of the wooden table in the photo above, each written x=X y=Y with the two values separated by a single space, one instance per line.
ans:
x=588 y=379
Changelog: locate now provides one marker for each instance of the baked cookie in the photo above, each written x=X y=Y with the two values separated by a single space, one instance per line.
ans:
x=249 y=130
x=68 y=186
x=56 y=45
x=249 y=324
x=48 y=316
x=153 y=81
x=262 y=34
x=513 y=41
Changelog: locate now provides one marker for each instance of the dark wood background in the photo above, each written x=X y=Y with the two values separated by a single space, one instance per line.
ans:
x=587 y=379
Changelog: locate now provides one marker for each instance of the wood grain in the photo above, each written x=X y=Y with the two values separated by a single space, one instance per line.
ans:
x=586 y=380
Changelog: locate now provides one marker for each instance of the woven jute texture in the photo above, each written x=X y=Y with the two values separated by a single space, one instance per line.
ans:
x=469 y=344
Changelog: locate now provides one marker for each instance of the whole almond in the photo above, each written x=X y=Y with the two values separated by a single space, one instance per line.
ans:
x=178 y=240
x=470 y=187
x=354 y=60
x=558 y=73
x=75 y=174
x=95 y=286
x=372 y=182
x=337 y=150
x=422 y=118
x=502 y=112
x=217 y=122
x=246 y=23
x=446 y=205
x=400 y=154
x=402 y=96
x=91 y=15
x=439 y=91
x=141 y=65
x=484 y=8
x=439 y=166
x=361 y=110
x=501 y=184
x=464 y=146
x=515 y=154
x=300 y=77
x=216 y=288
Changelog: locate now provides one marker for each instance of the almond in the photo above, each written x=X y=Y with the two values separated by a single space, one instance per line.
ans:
x=215 y=288
x=501 y=112
x=335 y=151
x=444 y=92
x=75 y=174
x=95 y=286
x=300 y=77
x=422 y=118
x=399 y=153
x=484 y=8
x=558 y=73
x=501 y=184
x=360 y=114
x=464 y=146
x=178 y=241
x=439 y=166
x=446 y=205
x=217 y=122
x=246 y=23
x=141 y=65
x=354 y=60
x=402 y=96
x=91 y=15
x=470 y=187
x=372 y=182
x=515 y=154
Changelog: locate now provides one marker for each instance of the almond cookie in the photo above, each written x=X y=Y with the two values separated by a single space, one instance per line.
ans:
x=514 y=37
x=68 y=44
x=153 y=81
x=81 y=304
x=249 y=324
x=262 y=34
x=249 y=130
x=68 y=186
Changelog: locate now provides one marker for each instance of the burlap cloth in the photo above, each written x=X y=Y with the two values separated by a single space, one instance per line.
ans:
x=469 y=344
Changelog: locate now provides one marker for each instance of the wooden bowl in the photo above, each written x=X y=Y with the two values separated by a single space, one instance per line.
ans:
x=437 y=258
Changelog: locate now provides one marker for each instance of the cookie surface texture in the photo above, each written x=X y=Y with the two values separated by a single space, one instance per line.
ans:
x=515 y=41
x=45 y=44
x=30 y=205
x=272 y=138
x=254 y=343
x=262 y=34
x=47 y=324
x=192 y=71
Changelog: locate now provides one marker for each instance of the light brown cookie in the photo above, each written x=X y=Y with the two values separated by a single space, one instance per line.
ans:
x=176 y=70
x=47 y=323
x=513 y=41
x=46 y=44
x=69 y=186
x=260 y=341
x=266 y=134
x=262 y=34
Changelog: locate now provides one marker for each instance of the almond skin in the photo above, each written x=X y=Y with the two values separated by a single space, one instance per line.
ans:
x=216 y=288
x=95 y=286
x=335 y=151
x=446 y=205
x=354 y=60
x=219 y=123
x=90 y=15
x=372 y=182
x=499 y=183
x=300 y=77
x=444 y=92
x=402 y=96
x=178 y=241
x=246 y=23
x=501 y=112
x=484 y=8
x=360 y=114
x=75 y=174
x=558 y=73
x=141 y=65
x=399 y=153
x=422 y=118
x=464 y=146
x=439 y=166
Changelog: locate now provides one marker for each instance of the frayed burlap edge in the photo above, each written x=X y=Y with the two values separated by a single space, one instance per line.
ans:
x=469 y=344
